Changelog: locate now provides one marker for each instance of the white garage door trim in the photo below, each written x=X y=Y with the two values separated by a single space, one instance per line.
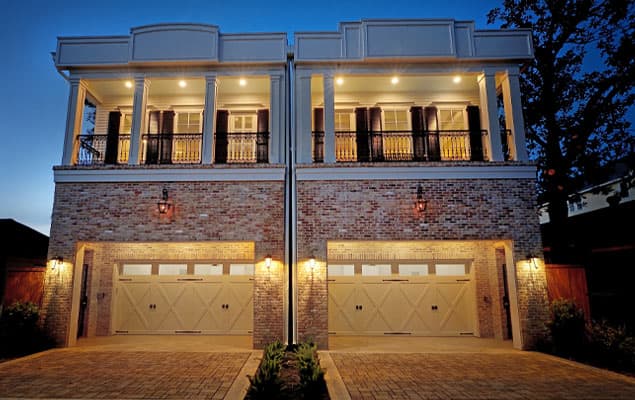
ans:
x=421 y=299
x=186 y=297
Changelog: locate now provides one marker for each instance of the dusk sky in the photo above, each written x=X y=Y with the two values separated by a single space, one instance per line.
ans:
x=34 y=96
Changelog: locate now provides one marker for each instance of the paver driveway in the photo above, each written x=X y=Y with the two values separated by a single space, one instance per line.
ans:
x=492 y=375
x=160 y=369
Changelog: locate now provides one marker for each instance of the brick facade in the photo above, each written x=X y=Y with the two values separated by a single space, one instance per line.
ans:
x=479 y=214
x=102 y=223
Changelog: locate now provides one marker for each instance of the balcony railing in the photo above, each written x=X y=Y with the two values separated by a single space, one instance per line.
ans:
x=177 y=148
x=352 y=146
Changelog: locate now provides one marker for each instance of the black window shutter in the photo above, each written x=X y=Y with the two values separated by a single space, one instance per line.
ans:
x=152 y=147
x=432 y=130
x=318 y=134
x=476 y=139
x=262 y=136
x=220 y=144
x=362 y=136
x=418 y=142
x=112 y=138
x=165 y=146
x=377 y=153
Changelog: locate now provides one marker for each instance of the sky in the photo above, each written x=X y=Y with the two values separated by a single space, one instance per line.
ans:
x=33 y=96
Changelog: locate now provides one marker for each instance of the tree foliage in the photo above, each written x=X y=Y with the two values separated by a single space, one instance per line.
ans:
x=577 y=90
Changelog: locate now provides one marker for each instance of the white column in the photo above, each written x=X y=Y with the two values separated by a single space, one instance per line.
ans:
x=74 y=114
x=138 y=118
x=276 y=120
x=303 y=120
x=329 y=119
x=489 y=115
x=514 y=116
x=209 y=118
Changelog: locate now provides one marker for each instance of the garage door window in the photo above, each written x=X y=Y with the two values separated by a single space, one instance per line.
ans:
x=341 y=270
x=413 y=269
x=451 y=269
x=136 y=269
x=375 y=269
x=172 y=269
x=208 y=269
x=241 y=269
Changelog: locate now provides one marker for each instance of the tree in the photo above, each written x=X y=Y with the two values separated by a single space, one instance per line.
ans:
x=576 y=92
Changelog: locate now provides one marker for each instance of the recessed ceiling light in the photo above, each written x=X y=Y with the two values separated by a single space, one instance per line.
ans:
x=128 y=84
x=182 y=83
x=339 y=81
x=394 y=80
x=242 y=82
x=456 y=79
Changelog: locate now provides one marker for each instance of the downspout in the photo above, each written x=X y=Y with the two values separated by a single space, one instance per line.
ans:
x=291 y=210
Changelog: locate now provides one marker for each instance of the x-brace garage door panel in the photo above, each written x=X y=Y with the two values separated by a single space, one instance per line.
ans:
x=223 y=305
x=429 y=306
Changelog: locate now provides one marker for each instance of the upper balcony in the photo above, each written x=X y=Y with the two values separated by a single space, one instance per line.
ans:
x=173 y=121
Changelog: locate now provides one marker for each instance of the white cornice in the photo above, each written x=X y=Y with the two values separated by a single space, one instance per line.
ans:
x=170 y=175
x=404 y=173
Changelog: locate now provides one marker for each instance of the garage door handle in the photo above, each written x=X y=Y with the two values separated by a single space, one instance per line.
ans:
x=434 y=308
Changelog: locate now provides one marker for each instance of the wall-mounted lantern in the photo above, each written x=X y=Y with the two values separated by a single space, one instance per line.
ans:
x=164 y=204
x=57 y=262
x=312 y=264
x=420 y=203
x=532 y=261
x=268 y=260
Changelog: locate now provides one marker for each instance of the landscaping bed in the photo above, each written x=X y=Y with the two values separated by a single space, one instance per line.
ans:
x=288 y=372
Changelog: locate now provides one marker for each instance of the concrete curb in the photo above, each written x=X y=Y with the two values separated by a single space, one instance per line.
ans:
x=239 y=388
x=334 y=383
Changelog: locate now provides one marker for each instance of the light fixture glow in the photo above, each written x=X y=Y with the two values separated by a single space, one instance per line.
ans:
x=456 y=79
x=312 y=263
x=182 y=83
x=242 y=82
x=164 y=204
x=420 y=203
x=532 y=261
x=57 y=262
x=339 y=81
x=268 y=261
x=394 y=80
x=128 y=84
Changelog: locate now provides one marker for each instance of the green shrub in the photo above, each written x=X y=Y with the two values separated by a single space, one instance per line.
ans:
x=20 y=332
x=266 y=383
x=611 y=346
x=311 y=374
x=567 y=327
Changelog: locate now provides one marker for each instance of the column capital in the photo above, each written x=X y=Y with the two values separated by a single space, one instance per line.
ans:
x=211 y=78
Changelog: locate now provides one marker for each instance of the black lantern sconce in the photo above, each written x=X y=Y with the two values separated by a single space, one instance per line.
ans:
x=532 y=261
x=164 y=204
x=57 y=262
x=268 y=260
x=420 y=203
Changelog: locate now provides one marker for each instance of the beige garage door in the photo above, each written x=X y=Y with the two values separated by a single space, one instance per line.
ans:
x=416 y=299
x=184 y=298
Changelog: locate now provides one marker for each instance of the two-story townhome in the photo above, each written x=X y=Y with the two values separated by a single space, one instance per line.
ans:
x=357 y=183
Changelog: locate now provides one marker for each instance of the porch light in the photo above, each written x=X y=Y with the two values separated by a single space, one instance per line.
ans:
x=456 y=79
x=312 y=263
x=128 y=84
x=532 y=261
x=339 y=81
x=268 y=261
x=242 y=82
x=182 y=83
x=394 y=80
x=164 y=205
x=420 y=203
x=56 y=262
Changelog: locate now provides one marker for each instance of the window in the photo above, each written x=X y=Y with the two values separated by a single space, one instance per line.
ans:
x=452 y=119
x=343 y=121
x=451 y=269
x=208 y=269
x=396 y=120
x=136 y=269
x=243 y=122
x=188 y=122
x=241 y=269
x=341 y=270
x=126 y=124
x=413 y=269
x=375 y=269
x=172 y=269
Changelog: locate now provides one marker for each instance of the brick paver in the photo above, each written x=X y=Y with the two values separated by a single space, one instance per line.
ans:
x=73 y=374
x=509 y=376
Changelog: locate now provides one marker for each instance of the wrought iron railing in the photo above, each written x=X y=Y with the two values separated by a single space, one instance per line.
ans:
x=352 y=146
x=92 y=149
x=242 y=147
x=172 y=148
